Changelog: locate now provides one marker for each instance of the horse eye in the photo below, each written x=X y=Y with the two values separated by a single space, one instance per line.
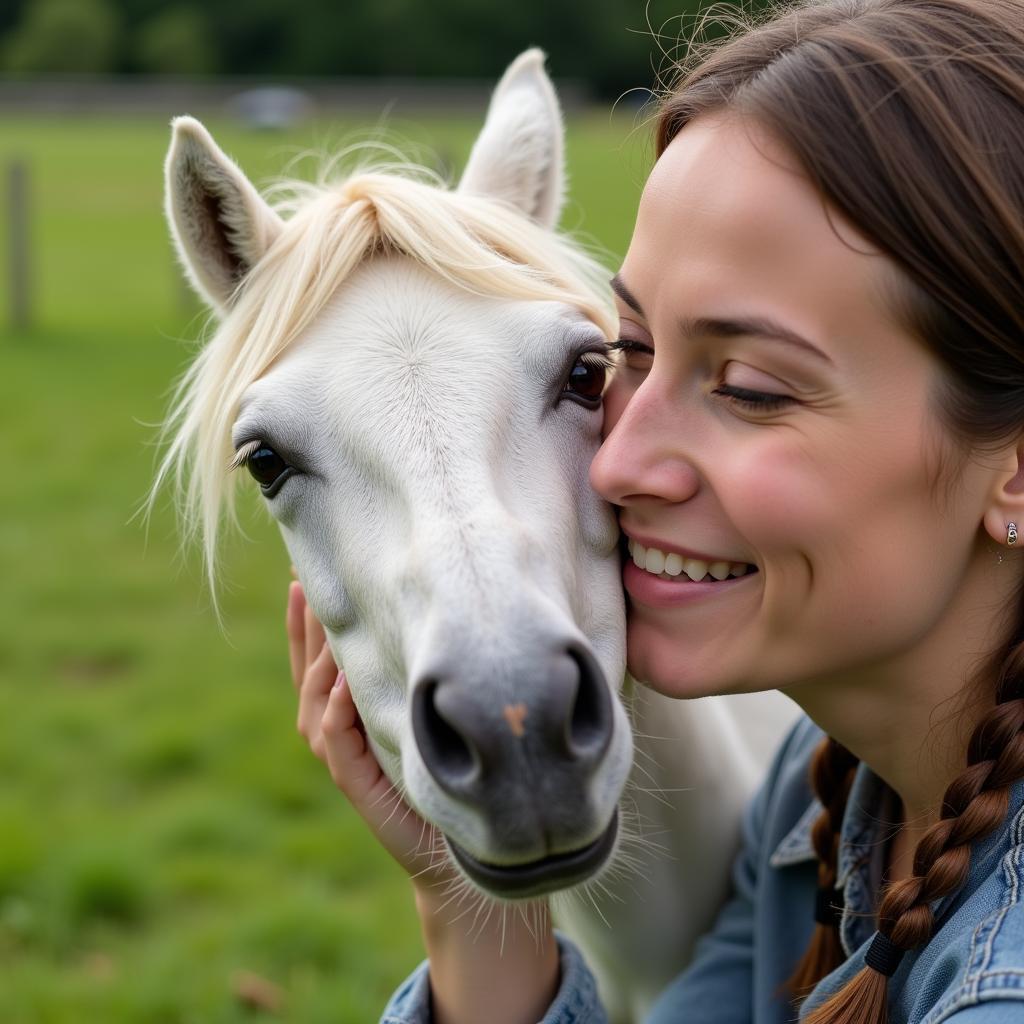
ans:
x=586 y=379
x=268 y=469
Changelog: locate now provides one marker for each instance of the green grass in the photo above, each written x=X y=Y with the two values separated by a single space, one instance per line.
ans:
x=162 y=827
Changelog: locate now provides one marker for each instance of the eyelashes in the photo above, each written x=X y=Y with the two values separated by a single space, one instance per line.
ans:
x=761 y=401
x=241 y=456
x=628 y=345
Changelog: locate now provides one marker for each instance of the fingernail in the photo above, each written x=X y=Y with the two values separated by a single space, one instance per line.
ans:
x=339 y=680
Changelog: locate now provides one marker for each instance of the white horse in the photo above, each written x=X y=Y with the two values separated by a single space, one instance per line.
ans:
x=413 y=376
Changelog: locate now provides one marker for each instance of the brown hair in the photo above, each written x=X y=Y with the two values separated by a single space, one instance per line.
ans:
x=908 y=116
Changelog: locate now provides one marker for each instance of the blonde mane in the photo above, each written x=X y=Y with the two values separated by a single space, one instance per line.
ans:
x=481 y=245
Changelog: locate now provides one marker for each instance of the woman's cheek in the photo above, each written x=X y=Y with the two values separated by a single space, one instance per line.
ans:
x=772 y=497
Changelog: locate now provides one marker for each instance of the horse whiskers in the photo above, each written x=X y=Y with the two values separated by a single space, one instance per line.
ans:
x=458 y=889
x=655 y=791
x=541 y=917
x=651 y=736
x=636 y=822
x=646 y=771
x=482 y=903
x=643 y=842
x=437 y=857
x=652 y=771
x=608 y=894
x=640 y=752
x=664 y=789
x=657 y=796
x=394 y=811
x=423 y=835
x=588 y=891
x=386 y=795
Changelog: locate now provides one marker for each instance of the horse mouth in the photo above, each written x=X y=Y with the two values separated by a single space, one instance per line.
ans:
x=539 y=877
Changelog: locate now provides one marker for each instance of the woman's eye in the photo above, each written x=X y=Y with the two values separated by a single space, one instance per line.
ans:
x=760 y=401
x=268 y=469
x=587 y=378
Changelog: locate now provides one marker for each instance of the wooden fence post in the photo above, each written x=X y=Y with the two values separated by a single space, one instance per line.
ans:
x=19 y=253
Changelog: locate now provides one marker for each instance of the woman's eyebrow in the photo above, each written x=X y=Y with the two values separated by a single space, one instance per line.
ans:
x=726 y=327
x=762 y=327
x=625 y=294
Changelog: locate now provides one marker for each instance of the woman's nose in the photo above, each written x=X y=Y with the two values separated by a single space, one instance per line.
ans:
x=646 y=454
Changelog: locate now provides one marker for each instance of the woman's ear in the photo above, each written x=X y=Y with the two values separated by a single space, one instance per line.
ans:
x=1007 y=502
x=220 y=224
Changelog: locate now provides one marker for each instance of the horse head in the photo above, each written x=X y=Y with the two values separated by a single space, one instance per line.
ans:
x=413 y=376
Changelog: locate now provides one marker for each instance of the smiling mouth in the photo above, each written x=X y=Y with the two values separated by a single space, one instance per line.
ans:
x=669 y=565
x=539 y=877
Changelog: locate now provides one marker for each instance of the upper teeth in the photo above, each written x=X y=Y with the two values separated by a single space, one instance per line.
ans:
x=672 y=564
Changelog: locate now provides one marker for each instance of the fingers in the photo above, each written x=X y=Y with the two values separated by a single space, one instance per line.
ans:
x=306 y=636
x=355 y=771
x=296 y=628
x=314 y=635
x=313 y=694
x=353 y=767
x=328 y=720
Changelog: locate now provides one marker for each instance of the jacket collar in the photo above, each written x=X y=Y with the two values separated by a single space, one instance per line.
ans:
x=867 y=813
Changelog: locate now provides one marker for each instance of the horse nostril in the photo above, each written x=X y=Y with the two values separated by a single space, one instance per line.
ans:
x=447 y=756
x=590 y=725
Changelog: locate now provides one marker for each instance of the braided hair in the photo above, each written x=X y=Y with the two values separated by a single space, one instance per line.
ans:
x=908 y=117
x=974 y=806
x=832 y=771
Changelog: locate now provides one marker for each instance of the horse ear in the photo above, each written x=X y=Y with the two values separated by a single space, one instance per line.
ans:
x=518 y=156
x=221 y=226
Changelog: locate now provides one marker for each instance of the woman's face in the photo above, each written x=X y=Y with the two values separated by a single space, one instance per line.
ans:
x=772 y=412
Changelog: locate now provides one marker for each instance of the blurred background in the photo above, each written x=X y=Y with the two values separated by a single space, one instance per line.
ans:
x=170 y=852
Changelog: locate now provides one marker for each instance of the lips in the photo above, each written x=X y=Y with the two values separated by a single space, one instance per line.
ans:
x=539 y=877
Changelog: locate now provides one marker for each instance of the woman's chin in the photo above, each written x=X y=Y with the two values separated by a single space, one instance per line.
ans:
x=672 y=677
x=668 y=669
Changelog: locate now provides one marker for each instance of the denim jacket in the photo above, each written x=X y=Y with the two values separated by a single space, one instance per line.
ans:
x=971 y=972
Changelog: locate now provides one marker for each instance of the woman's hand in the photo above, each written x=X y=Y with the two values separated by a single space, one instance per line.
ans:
x=478 y=971
x=330 y=723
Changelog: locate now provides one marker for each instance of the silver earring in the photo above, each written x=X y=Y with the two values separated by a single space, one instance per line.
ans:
x=1011 y=534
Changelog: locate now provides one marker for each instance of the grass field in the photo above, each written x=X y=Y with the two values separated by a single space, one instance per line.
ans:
x=162 y=827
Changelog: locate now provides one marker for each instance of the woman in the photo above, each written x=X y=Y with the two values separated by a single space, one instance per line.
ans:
x=822 y=338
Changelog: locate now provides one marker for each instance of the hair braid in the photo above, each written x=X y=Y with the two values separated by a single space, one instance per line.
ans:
x=832 y=771
x=974 y=805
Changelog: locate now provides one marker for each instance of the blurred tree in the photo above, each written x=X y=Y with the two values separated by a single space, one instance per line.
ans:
x=63 y=35
x=252 y=42
x=10 y=14
x=613 y=45
x=176 y=40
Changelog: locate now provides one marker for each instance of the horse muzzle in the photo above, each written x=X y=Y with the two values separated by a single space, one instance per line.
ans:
x=523 y=751
x=539 y=877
